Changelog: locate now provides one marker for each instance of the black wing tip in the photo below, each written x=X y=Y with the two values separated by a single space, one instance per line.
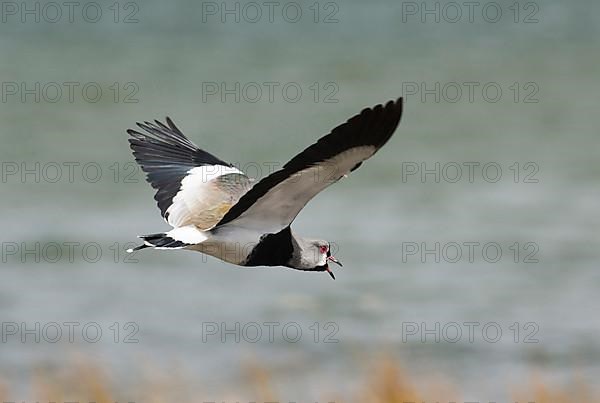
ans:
x=157 y=125
x=172 y=125
x=398 y=105
x=389 y=104
x=390 y=118
x=384 y=119
x=392 y=105
x=145 y=125
x=398 y=101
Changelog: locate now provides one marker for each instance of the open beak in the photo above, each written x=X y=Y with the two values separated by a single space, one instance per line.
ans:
x=328 y=270
x=334 y=260
x=331 y=258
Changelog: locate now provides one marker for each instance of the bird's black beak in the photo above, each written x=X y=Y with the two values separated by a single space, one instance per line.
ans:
x=328 y=270
x=334 y=260
x=331 y=258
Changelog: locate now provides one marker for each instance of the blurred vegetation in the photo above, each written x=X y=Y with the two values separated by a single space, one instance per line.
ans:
x=387 y=382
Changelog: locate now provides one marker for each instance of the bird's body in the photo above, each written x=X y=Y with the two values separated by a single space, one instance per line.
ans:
x=214 y=209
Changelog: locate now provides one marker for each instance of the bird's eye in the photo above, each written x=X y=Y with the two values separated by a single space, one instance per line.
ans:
x=323 y=248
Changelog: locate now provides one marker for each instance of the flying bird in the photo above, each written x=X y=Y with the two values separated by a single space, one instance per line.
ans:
x=214 y=208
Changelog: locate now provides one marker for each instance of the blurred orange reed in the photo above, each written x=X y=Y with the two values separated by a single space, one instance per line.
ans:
x=386 y=383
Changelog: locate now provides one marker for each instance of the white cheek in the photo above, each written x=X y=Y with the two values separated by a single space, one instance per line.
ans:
x=322 y=259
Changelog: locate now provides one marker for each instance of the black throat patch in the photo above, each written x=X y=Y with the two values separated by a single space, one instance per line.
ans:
x=272 y=250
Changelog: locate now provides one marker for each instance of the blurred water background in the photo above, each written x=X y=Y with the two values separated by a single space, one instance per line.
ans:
x=374 y=52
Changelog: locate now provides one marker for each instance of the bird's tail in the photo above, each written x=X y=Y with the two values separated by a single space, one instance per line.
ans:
x=177 y=238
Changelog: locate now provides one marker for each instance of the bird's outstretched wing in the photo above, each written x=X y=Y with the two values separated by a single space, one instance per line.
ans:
x=274 y=202
x=193 y=186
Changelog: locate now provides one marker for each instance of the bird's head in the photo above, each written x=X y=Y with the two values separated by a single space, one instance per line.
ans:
x=315 y=255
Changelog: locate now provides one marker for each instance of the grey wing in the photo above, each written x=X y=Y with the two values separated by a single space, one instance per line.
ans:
x=274 y=202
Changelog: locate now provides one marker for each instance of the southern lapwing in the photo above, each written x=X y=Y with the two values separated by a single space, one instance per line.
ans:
x=214 y=209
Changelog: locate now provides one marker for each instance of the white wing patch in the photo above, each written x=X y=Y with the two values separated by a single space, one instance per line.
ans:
x=189 y=234
x=206 y=194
